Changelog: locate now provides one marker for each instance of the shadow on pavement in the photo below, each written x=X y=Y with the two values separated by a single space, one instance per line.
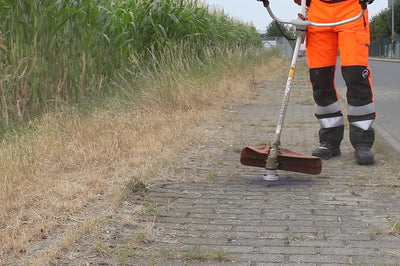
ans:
x=284 y=181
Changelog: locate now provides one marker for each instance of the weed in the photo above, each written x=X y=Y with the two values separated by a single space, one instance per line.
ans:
x=101 y=247
x=393 y=229
x=237 y=150
x=136 y=185
x=222 y=255
x=151 y=207
x=377 y=231
x=230 y=237
x=290 y=236
x=211 y=176
x=123 y=255
x=195 y=254
x=167 y=253
x=140 y=238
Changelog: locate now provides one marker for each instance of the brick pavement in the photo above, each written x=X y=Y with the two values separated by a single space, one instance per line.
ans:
x=231 y=216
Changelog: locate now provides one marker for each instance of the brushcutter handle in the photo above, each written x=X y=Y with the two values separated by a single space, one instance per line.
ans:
x=333 y=24
x=366 y=2
x=266 y=2
x=302 y=23
x=299 y=2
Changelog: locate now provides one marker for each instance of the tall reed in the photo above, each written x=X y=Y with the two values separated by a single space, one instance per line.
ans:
x=54 y=52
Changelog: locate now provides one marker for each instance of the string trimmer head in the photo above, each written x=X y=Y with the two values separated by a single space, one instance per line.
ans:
x=286 y=160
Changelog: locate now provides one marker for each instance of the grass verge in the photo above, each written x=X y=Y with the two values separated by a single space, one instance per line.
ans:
x=67 y=162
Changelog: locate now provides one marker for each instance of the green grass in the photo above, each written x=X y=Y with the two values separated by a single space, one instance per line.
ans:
x=57 y=53
x=151 y=207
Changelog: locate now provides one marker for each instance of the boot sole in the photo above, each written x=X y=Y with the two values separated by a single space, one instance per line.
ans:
x=368 y=161
x=327 y=156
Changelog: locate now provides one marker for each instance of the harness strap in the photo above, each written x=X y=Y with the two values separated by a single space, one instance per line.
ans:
x=331 y=1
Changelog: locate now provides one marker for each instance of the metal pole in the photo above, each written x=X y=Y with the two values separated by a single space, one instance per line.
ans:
x=392 y=44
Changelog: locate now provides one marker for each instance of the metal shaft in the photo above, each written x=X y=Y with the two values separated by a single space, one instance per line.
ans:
x=271 y=160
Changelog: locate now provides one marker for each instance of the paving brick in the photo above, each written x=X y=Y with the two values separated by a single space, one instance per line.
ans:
x=319 y=259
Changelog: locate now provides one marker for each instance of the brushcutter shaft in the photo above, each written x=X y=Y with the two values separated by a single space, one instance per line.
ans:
x=272 y=158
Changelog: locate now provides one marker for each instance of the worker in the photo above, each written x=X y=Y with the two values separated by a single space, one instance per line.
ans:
x=322 y=45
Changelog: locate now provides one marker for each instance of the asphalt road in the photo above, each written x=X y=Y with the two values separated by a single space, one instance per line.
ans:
x=386 y=86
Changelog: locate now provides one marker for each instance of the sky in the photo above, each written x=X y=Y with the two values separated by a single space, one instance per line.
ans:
x=253 y=11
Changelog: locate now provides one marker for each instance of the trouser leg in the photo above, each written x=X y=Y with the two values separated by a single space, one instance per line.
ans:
x=327 y=108
x=361 y=106
x=333 y=135
x=360 y=137
x=353 y=42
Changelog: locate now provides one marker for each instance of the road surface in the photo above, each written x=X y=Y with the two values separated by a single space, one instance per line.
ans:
x=386 y=86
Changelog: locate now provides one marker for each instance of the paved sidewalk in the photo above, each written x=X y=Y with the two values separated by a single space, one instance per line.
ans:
x=224 y=214
x=343 y=216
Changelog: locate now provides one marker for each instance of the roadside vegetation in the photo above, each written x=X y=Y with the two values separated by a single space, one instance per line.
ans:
x=92 y=90
x=57 y=52
x=381 y=24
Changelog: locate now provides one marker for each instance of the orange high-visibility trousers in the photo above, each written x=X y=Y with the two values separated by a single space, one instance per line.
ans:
x=351 y=41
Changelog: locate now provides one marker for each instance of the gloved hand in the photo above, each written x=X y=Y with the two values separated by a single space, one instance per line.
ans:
x=366 y=2
x=265 y=2
x=308 y=2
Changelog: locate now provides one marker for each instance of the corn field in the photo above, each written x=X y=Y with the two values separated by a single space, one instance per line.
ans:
x=54 y=52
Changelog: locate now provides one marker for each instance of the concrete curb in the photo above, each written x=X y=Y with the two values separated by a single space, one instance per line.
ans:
x=394 y=60
x=390 y=142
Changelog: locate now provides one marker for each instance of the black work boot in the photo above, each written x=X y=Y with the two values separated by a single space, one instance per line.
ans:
x=329 y=139
x=364 y=155
x=362 y=141
x=326 y=151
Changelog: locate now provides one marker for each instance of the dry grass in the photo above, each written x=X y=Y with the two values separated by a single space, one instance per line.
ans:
x=65 y=163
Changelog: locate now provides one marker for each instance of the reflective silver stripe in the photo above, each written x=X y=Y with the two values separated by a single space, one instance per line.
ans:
x=330 y=109
x=365 y=124
x=331 y=122
x=361 y=110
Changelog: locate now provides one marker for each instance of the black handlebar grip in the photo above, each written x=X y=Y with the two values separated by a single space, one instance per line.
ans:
x=265 y=2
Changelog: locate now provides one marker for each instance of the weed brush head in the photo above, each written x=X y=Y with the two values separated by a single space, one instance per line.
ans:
x=287 y=160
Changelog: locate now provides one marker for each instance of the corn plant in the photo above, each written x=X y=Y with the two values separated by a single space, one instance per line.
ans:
x=53 y=52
